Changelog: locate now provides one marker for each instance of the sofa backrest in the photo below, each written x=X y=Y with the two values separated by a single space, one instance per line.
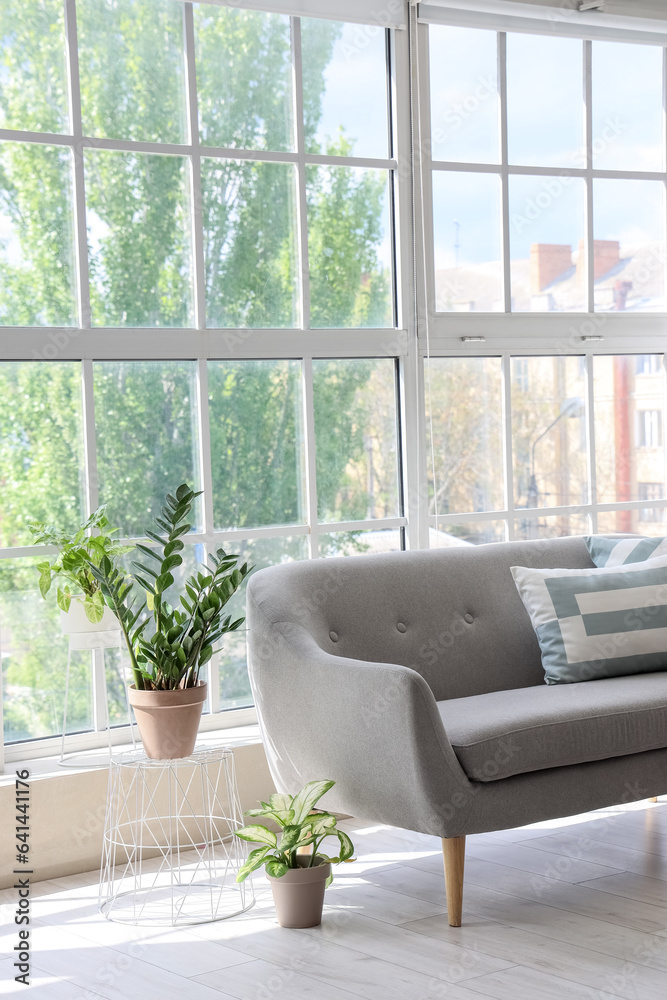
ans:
x=454 y=615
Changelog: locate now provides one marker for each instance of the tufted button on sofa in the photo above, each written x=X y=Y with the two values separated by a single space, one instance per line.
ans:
x=414 y=680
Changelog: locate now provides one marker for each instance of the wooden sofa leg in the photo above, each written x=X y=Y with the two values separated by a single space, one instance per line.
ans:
x=454 y=851
x=654 y=798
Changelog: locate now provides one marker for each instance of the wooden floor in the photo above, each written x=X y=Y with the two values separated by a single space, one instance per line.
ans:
x=573 y=908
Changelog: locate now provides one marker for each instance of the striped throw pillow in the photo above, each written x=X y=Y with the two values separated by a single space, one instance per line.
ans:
x=622 y=551
x=593 y=623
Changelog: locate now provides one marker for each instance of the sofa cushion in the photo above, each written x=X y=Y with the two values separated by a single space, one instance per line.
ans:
x=607 y=551
x=598 y=622
x=503 y=733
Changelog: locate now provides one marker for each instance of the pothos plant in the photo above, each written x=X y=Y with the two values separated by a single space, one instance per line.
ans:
x=182 y=638
x=298 y=826
x=78 y=556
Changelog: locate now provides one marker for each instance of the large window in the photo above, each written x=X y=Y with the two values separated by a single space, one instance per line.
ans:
x=543 y=193
x=183 y=187
x=366 y=288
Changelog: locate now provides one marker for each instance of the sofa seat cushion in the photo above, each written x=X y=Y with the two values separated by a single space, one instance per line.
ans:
x=510 y=732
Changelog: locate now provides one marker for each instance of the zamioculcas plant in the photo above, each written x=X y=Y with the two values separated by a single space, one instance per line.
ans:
x=171 y=656
x=78 y=557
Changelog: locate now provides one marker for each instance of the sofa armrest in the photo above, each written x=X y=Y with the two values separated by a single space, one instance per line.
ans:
x=372 y=727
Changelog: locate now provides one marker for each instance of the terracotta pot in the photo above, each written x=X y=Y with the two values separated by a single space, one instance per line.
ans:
x=168 y=720
x=299 y=894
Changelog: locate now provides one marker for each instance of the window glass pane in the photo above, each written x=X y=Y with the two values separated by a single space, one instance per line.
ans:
x=549 y=432
x=41 y=448
x=629 y=250
x=648 y=521
x=466 y=237
x=131 y=68
x=349 y=247
x=547 y=223
x=465 y=410
x=37 y=269
x=138 y=235
x=244 y=78
x=249 y=243
x=234 y=684
x=256 y=443
x=627 y=106
x=34 y=660
x=545 y=101
x=465 y=125
x=342 y=62
x=629 y=433
x=359 y=543
x=552 y=527
x=147 y=444
x=355 y=430
x=33 y=80
x=470 y=533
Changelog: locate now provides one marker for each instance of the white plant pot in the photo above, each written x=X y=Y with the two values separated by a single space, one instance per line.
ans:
x=84 y=634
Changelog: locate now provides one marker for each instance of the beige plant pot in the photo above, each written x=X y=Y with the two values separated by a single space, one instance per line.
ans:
x=299 y=894
x=168 y=720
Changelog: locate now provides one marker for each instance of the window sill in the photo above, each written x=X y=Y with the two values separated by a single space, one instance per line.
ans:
x=98 y=759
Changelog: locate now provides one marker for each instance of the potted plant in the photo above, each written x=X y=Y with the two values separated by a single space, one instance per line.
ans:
x=79 y=596
x=168 y=694
x=298 y=879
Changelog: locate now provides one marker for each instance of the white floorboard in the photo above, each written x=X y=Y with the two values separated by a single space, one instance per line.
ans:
x=570 y=909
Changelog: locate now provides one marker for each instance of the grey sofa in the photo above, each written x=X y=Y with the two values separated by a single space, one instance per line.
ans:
x=414 y=680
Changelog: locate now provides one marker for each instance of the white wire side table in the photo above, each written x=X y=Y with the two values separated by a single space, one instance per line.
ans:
x=171 y=854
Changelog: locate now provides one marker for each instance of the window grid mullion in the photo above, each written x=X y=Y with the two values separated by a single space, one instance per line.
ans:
x=504 y=176
x=311 y=463
x=590 y=441
x=589 y=242
x=302 y=199
x=81 y=236
x=664 y=142
x=204 y=434
x=508 y=466
x=92 y=500
x=197 y=225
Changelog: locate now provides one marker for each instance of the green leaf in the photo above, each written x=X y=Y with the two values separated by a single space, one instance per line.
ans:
x=305 y=800
x=45 y=581
x=163 y=582
x=321 y=823
x=276 y=869
x=280 y=800
x=171 y=561
x=156 y=538
x=258 y=835
x=64 y=599
x=255 y=860
x=346 y=846
x=291 y=836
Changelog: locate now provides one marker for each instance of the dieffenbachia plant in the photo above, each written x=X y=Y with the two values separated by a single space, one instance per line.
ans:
x=183 y=637
x=298 y=826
